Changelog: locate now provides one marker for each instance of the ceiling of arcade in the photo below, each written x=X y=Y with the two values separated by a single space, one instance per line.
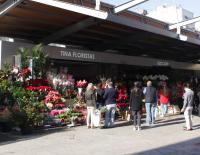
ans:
x=37 y=23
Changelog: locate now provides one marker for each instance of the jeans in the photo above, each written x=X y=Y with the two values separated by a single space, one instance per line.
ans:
x=150 y=113
x=164 y=109
x=110 y=116
x=99 y=105
x=90 y=116
x=188 y=117
x=136 y=118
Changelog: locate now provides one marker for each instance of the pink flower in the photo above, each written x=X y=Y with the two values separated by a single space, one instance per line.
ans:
x=81 y=84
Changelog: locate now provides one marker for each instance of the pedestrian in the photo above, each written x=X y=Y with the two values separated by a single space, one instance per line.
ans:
x=110 y=96
x=99 y=96
x=91 y=105
x=136 y=106
x=179 y=95
x=164 y=97
x=150 y=103
x=188 y=98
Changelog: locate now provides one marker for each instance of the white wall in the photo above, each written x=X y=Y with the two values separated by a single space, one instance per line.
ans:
x=171 y=14
x=197 y=26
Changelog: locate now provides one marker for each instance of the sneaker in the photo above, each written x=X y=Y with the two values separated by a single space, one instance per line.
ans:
x=139 y=128
x=147 y=124
x=188 y=129
x=134 y=128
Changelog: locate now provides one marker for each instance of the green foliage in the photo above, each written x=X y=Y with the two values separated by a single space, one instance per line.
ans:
x=5 y=73
x=35 y=112
x=5 y=84
x=71 y=113
x=64 y=116
x=25 y=55
x=103 y=109
x=30 y=110
x=40 y=61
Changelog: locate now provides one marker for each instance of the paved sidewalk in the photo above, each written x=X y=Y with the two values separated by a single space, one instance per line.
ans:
x=165 y=138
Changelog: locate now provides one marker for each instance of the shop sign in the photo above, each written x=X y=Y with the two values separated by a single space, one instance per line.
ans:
x=162 y=63
x=79 y=55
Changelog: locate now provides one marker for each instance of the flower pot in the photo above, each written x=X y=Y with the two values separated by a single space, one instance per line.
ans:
x=80 y=91
x=26 y=129
x=123 y=115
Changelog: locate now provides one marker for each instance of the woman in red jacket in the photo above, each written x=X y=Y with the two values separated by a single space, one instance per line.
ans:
x=164 y=99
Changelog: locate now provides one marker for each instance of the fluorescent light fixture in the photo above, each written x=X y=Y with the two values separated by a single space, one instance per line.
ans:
x=7 y=39
x=112 y=51
x=144 y=55
x=57 y=45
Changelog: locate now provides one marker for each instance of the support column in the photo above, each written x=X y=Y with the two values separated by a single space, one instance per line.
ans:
x=98 y=4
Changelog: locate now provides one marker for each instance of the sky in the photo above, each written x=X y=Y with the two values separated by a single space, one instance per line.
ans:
x=191 y=5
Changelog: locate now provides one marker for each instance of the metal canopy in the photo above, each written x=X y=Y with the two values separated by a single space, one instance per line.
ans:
x=127 y=5
x=126 y=33
x=187 y=22
x=69 y=30
x=8 y=5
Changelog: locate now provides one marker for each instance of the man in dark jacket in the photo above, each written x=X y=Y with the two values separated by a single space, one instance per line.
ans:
x=110 y=96
x=151 y=103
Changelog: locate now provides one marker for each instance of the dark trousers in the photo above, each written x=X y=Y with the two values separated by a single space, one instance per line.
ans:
x=136 y=117
x=180 y=102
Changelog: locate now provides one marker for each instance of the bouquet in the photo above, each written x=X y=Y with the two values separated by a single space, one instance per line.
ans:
x=81 y=84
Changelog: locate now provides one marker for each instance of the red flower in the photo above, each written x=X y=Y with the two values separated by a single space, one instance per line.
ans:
x=25 y=73
x=39 y=88
x=81 y=84
x=59 y=105
x=38 y=82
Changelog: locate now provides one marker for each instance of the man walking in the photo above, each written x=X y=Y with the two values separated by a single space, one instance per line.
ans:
x=110 y=96
x=151 y=103
x=188 y=106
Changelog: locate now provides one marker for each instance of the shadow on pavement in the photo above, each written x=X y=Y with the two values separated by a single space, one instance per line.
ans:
x=170 y=120
x=190 y=147
x=13 y=137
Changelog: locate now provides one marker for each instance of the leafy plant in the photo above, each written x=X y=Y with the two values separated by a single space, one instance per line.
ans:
x=30 y=110
x=25 y=56
x=39 y=61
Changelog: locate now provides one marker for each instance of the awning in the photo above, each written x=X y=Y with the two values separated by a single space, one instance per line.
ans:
x=126 y=33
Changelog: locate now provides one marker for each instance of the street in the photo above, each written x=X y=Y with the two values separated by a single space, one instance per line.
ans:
x=166 y=138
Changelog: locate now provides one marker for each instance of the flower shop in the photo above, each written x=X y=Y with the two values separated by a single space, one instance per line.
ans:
x=33 y=96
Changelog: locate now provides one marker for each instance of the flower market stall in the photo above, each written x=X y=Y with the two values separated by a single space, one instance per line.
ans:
x=31 y=98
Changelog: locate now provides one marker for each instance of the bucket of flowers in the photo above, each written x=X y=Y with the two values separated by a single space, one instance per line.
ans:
x=80 y=85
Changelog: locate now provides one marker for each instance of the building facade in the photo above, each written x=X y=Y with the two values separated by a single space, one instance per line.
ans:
x=172 y=14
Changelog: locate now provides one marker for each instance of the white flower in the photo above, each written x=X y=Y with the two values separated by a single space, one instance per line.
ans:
x=15 y=70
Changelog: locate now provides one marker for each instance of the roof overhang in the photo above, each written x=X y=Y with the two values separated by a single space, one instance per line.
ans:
x=80 y=24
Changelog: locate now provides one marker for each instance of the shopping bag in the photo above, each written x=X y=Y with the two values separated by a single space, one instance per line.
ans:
x=156 y=112
x=170 y=110
x=176 y=110
x=128 y=116
x=97 y=118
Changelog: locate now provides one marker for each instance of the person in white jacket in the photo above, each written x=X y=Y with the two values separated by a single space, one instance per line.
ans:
x=188 y=106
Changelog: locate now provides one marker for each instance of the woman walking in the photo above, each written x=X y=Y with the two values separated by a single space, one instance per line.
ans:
x=136 y=105
x=91 y=105
x=164 y=99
